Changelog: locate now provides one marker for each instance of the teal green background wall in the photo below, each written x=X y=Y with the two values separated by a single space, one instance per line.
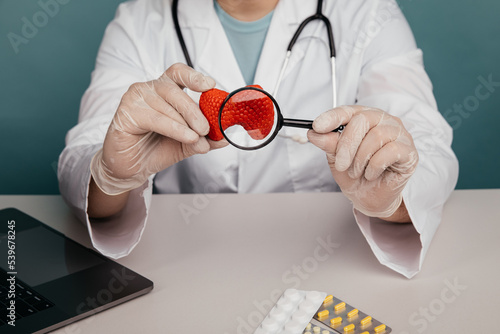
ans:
x=41 y=84
x=461 y=43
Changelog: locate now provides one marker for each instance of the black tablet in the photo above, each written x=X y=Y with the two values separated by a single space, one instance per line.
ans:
x=48 y=281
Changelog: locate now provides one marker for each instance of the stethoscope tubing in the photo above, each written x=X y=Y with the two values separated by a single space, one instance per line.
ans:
x=317 y=16
x=178 y=31
x=331 y=44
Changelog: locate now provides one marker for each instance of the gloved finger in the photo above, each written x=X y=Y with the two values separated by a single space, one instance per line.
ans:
x=325 y=141
x=396 y=154
x=374 y=140
x=333 y=118
x=214 y=145
x=359 y=120
x=351 y=138
x=152 y=121
x=186 y=77
x=183 y=104
x=164 y=152
x=200 y=147
x=204 y=145
x=156 y=102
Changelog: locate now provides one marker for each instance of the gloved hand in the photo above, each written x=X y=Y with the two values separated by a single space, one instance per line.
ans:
x=155 y=126
x=371 y=160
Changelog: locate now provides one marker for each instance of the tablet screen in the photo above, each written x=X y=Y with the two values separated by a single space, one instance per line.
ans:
x=42 y=255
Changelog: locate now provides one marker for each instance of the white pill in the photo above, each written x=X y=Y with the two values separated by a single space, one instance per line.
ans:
x=314 y=296
x=285 y=304
x=292 y=294
x=270 y=324
x=294 y=326
x=277 y=314
x=301 y=316
x=307 y=306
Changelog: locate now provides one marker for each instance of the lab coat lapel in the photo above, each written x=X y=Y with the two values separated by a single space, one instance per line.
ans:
x=211 y=52
x=287 y=16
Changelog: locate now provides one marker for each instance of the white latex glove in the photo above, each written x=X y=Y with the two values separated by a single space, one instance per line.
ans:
x=371 y=160
x=155 y=126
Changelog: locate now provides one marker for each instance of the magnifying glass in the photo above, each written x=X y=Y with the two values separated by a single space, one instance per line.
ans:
x=250 y=118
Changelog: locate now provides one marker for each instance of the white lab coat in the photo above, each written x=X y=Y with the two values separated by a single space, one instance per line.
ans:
x=378 y=65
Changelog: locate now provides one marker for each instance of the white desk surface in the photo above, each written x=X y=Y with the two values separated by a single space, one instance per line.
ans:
x=217 y=272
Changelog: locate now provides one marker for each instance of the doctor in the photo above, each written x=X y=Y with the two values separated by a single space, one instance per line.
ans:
x=140 y=126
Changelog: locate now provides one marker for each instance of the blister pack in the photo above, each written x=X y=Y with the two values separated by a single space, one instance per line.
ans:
x=314 y=312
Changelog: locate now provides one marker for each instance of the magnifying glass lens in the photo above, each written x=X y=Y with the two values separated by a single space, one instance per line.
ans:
x=248 y=118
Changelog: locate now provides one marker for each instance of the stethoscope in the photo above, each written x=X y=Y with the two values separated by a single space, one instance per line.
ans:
x=317 y=16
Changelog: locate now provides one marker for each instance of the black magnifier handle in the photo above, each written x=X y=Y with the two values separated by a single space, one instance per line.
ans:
x=305 y=124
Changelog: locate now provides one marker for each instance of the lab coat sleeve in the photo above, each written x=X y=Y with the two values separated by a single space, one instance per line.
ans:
x=393 y=79
x=118 y=66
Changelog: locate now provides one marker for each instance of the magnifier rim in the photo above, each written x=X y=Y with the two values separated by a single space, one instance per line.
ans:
x=278 y=125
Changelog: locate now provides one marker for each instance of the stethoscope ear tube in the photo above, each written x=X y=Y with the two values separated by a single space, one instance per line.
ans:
x=331 y=44
x=175 y=4
x=318 y=16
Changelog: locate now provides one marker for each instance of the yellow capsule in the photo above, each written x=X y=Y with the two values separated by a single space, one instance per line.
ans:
x=328 y=299
x=365 y=332
x=339 y=306
x=323 y=314
x=336 y=321
x=349 y=328
x=366 y=320
x=379 y=328
x=352 y=313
